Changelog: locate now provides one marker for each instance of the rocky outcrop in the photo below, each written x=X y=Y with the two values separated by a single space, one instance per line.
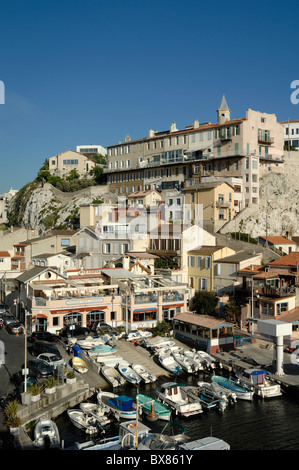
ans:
x=47 y=207
x=276 y=214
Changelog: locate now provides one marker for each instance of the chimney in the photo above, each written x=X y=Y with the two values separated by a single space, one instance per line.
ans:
x=173 y=127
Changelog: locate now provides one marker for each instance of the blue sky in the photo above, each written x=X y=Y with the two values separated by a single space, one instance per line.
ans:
x=91 y=72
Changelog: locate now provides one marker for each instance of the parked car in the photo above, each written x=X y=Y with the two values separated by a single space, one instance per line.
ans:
x=9 y=318
x=39 y=367
x=97 y=326
x=2 y=309
x=43 y=336
x=38 y=348
x=15 y=328
x=75 y=330
x=18 y=380
x=52 y=359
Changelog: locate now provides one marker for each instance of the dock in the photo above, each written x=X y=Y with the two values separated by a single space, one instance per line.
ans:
x=258 y=354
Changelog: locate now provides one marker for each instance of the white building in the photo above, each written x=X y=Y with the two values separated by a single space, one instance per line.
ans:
x=291 y=133
x=91 y=149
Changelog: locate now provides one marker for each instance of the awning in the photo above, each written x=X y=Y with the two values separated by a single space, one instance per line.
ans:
x=79 y=310
x=145 y=310
x=173 y=305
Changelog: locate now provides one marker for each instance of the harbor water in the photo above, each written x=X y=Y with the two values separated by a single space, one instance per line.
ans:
x=263 y=424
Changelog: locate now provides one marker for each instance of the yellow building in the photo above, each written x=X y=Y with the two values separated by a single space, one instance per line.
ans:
x=217 y=201
x=201 y=266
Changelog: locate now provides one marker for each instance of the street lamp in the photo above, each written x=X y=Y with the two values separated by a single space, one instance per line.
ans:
x=25 y=370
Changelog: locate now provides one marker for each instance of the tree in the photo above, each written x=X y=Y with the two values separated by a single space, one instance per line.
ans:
x=232 y=312
x=204 y=303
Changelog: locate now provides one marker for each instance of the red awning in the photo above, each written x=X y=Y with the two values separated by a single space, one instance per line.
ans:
x=80 y=310
x=173 y=305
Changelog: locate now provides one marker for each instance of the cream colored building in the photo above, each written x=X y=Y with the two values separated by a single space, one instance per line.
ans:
x=217 y=201
x=245 y=148
x=144 y=198
x=63 y=163
x=201 y=269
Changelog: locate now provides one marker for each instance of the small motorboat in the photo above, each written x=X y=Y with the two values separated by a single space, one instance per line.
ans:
x=206 y=397
x=220 y=392
x=98 y=411
x=121 y=405
x=102 y=350
x=241 y=392
x=84 y=421
x=152 y=406
x=186 y=363
x=89 y=342
x=174 y=395
x=129 y=432
x=46 y=434
x=112 y=375
x=169 y=363
x=209 y=361
x=128 y=373
x=79 y=365
x=146 y=375
x=109 y=359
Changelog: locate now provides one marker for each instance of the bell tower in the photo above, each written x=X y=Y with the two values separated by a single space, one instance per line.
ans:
x=223 y=113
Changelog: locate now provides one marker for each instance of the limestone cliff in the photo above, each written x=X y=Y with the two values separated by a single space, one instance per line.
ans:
x=44 y=207
x=276 y=214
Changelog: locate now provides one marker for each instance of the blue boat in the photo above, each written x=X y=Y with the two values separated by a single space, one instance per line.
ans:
x=122 y=406
x=241 y=392
x=102 y=350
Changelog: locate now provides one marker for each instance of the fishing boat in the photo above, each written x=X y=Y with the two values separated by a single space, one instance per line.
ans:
x=165 y=344
x=112 y=375
x=146 y=375
x=84 y=421
x=259 y=381
x=169 y=363
x=130 y=433
x=121 y=405
x=79 y=365
x=241 y=392
x=186 y=363
x=207 y=399
x=150 y=404
x=206 y=443
x=156 y=341
x=46 y=434
x=137 y=335
x=128 y=373
x=174 y=395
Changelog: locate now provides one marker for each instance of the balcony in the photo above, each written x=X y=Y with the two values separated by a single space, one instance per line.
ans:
x=265 y=138
x=222 y=203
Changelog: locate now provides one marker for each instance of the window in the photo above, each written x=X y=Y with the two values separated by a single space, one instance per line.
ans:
x=203 y=283
x=199 y=261
x=281 y=308
x=65 y=242
x=254 y=164
x=191 y=261
x=208 y=262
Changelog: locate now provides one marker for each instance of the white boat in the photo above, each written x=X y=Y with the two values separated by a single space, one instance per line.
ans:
x=128 y=373
x=156 y=341
x=210 y=361
x=79 y=365
x=89 y=342
x=112 y=375
x=129 y=433
x=137 y=335
x=46 y=434
x=228 y=395
x=121 y=405
x=169 y=363
x=174 y=395
x=168 y=343
x=242 y=392
x=208 y=399
x=146 y=375
x=109 y=359
x=206 y=443
x=259 y=381
x=192 y=354
x=186 y=363
x=98 y=411
x=84 y=421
